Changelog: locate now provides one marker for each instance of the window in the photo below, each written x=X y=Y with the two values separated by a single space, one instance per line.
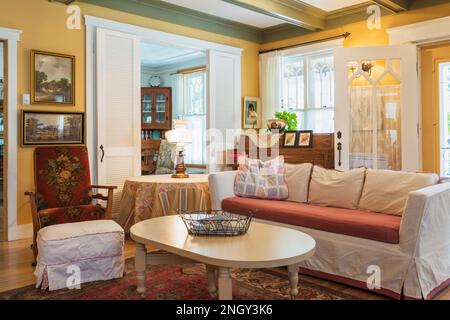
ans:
x=194 y=112
x=308 y=90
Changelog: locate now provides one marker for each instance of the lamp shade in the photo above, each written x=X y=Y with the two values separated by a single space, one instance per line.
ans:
x=179 y=134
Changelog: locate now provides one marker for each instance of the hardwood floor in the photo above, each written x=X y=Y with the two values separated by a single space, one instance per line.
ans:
x=16 y=270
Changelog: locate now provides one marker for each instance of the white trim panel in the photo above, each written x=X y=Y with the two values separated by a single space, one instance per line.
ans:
x=422 y=32
x=12 y=36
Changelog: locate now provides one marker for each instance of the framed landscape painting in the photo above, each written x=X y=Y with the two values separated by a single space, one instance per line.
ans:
x=52 y=78
x=52 y=128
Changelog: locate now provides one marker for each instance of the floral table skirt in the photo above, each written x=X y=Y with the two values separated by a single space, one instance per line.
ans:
x=158 y=195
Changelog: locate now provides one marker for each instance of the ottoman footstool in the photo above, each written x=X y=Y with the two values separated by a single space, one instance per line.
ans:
x=74 y=253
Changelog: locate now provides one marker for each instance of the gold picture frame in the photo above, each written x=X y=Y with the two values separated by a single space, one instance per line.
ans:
x=52 y=78
x=42 y=128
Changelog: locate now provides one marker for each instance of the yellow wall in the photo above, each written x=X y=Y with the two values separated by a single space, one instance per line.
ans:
x=43 y=26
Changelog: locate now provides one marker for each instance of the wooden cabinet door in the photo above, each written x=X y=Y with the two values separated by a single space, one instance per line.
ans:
x=163 y=109
x=147 y=108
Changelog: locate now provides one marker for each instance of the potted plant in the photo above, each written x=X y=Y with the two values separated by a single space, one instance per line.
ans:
x=284 y=121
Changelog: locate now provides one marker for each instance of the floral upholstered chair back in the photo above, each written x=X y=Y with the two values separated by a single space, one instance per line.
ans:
x=166 y=158
x=62 y=177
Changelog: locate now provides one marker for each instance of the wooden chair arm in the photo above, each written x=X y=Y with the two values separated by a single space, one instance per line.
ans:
x=108 y=198
x=103 y=187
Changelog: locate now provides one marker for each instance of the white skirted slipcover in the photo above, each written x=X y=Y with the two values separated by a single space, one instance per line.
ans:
x=79 y=252
x=417 y=267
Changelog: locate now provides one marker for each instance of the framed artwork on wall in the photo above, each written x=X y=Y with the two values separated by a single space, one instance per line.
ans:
x=305 y=138
x=52 y=78
x=251 y=113
x=51 y=128
x=290 y=139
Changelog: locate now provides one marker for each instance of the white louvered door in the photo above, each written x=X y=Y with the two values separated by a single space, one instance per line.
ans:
x=224 y=103
x=118 y=109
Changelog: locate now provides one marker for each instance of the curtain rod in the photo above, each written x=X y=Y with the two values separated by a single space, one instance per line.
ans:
x=344 y=35
x=190 y=70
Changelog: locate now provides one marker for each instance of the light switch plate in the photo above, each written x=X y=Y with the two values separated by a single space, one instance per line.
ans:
x=26 y=99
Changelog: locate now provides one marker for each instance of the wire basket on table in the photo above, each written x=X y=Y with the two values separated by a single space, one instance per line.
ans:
x=215 y=222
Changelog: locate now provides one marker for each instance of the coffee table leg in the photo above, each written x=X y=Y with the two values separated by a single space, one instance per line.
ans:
x=211 y=273
x=293 y=280
x=225 y=286
x=140 y=266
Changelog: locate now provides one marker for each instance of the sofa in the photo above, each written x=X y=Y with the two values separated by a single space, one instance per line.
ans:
x=408 y=244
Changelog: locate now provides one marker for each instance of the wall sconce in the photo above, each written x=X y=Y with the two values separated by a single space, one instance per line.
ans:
x=366 y=66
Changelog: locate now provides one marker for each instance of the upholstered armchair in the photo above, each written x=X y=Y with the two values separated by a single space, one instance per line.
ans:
x=63 y=191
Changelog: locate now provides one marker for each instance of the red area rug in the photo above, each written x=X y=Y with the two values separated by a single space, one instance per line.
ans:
x=185 y=282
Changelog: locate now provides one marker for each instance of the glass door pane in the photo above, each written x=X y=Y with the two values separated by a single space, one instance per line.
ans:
x=444 y=93
x=375 y=114
x=161 y=103
x=147 y=108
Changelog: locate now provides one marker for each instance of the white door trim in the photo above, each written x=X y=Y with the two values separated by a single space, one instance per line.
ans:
x=421 y=33
x=92 y=23
x=15 y=231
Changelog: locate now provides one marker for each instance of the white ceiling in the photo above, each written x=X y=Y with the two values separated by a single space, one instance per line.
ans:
x=229 y=11
x=331 y=5
x=158 y=56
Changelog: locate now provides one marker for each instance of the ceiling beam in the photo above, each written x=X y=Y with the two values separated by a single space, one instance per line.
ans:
x=395 y=6
x=307 y=18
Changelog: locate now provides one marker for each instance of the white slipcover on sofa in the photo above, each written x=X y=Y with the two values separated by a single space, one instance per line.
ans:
x=418 y=266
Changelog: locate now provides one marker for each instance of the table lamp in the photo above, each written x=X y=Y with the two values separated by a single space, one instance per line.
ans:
x=179 y=135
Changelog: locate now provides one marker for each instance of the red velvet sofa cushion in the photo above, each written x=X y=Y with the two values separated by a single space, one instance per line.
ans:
x=361 y=224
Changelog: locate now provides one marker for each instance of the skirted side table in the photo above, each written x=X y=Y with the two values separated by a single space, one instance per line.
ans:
x=159 y=195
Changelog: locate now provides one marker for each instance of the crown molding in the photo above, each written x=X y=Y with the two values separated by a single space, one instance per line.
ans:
x=164 y=11
x=183 y=16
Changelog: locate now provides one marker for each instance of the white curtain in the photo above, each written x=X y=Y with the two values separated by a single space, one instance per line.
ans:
x=193 y=152
x=177 y=95
x=270 y=76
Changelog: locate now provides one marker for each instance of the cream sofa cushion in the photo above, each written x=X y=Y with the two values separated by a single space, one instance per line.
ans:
x=297 y=178
x=386 y=191
x=333 y=188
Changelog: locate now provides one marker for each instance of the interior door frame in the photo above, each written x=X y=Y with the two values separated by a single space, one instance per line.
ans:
x=410 y=122
x=421 y=34
x=150 y=35
x=438 y=111
x=14 y=230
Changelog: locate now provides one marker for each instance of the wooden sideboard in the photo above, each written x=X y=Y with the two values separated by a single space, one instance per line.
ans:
x=321 y=153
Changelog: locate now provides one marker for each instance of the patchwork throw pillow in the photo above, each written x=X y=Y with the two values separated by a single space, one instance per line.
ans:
x=258 y=179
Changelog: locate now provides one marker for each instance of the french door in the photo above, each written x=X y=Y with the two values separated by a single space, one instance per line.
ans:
x=118 y=109
x=376 y=108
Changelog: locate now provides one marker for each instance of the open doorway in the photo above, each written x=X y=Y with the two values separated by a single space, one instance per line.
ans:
x=3 y=221
x=435 y=71
x=173 y=86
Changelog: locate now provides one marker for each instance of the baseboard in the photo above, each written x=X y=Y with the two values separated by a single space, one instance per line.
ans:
x=19 y=232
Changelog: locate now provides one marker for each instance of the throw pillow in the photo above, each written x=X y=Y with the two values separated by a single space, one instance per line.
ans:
x=297 y=178
x=386 y=191
x=258 y=179
x=331 y=188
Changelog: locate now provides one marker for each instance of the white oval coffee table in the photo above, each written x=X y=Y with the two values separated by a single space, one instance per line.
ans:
x=263 y=246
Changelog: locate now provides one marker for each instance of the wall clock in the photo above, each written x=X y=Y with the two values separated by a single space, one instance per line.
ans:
x=154 y=81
